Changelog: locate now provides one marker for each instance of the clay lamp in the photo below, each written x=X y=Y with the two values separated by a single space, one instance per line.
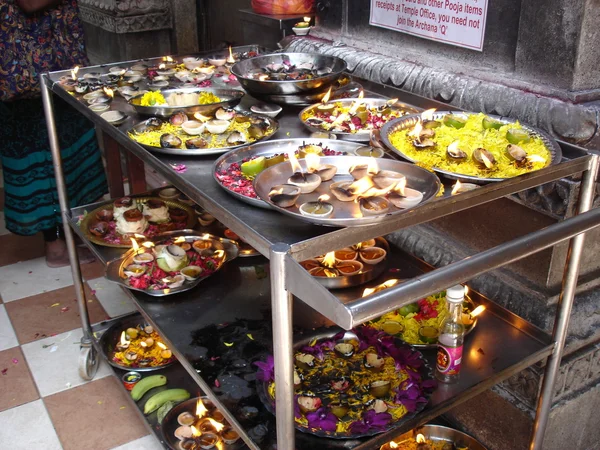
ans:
x=325 y=171
x=230 y=436
x=374 y=362
x=123 y=343
x=305 y=361
x=309 y=404
x=362 y=170
x=324 y=106
x=373 y=206
x=339 y=409
x=422 y=443
x=284 y=195
x=379 y=389
x=403 y=197
x=459 y=187
x=344 y=349
x=307 y=182
x=169 y=62
x=469 y=318
x=347 y=191
x=421 y=137
x=321 y=209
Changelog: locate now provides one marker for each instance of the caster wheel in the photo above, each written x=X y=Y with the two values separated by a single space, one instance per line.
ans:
x=88 y=362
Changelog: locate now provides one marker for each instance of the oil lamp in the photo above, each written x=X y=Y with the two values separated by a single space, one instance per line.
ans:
x=325 y=171
x=373 y=206
x=123 y=343
x=307 y=182
x=403 y=197
x=302 y=28
x=459 y=187
x=389 y=446
x=284 y=195
x=320 y=209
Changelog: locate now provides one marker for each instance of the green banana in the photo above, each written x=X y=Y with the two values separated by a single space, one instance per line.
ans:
x=147 y=383
x=159 y=399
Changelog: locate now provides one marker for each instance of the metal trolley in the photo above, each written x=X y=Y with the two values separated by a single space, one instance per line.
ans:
x=270 y=234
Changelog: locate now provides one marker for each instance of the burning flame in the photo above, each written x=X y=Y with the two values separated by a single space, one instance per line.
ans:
x=162 y=66
x=296 y=167
x=401 y=186
x=373 y=167
x=206 y=236
x=148 y=244
x=357 y=103
x=217 y=425
x=380 y=287
x=275 y=192
x=421 y=439
x=167 y=59
x=312 y=162
x=124 y=341
x=326 y=97
x=134 y=245
x=393 y=444
x=466 y=290
x=179 y=240
x=218 y=253
x=477 y=311
x=74 y=72
x=195 y=432
x=109 y=92
x=307 y=19
x=200 y=409
x=263 y=77
x=536 y=158
x=329 y=260
x=486 y=161
x=230 y=58
x=427 y=114
x=416 y=131
x=161 y=345
x=456 y=188
x=361 y=186
x=323 y=198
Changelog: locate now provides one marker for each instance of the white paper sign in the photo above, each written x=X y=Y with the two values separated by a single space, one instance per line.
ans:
x=455 y=22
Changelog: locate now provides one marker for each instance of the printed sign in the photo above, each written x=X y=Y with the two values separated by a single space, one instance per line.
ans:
x=455 y=22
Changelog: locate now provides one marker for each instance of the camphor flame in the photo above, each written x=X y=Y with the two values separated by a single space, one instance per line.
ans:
x=401 y=186
x=373 y=167
x=230 y=58
x=263 y=77
x=420 y=439
x=312 y=162
x=357 y=103
x=457 y=186
x=124 y=341
x=162 y=66
x=477 y=311
x=148 y=244
x=326 y=97
x=307 y=19
x=427 y=114
x=380 y=287
x=200 y=409
x=466 y=290
x=361 y=186
x=167 y=59
x=486 y=161
x=416 y=131
x=195 y=432
x=296 y=167
x=218 y=254
x=109 y=92
x=323 y=198
x=329 y=260
x=74 y=71
x=393 y=444
x=134 y=245
x=218 y=426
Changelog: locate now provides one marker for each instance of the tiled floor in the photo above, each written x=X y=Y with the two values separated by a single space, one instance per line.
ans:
x=44 y=404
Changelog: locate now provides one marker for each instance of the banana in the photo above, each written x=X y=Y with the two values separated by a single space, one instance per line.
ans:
x=147 y=383
x=159 y=399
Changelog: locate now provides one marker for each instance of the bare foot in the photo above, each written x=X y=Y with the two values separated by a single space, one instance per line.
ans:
x=58 y=256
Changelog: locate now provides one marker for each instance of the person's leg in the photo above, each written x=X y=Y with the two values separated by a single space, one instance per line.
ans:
x=57 y=254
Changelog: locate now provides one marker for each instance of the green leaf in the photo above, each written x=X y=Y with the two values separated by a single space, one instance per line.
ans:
x=164 y=410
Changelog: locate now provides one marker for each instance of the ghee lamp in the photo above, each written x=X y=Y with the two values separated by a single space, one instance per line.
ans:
x=320 y=209
x=403 y=197
x=389 y=446
x=459 y=187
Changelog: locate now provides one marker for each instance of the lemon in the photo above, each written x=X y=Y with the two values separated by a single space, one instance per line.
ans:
x=254 y=166
x=392 y=327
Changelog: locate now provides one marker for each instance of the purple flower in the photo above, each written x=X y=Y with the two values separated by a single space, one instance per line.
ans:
x=179 y=168
x=410 y=395
x=368 y=337
x=371 y=420
x=205 y=83
x=266 y=370
x=322 y=419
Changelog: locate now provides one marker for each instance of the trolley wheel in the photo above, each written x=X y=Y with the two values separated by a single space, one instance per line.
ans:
x=88 y=362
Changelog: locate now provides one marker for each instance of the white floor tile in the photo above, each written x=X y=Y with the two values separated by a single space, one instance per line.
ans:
x=27 y=427
x=53 y=362
x=3 y=229
x=146 y=443
x=32 y=277
x=8 y=339
x=112 y=298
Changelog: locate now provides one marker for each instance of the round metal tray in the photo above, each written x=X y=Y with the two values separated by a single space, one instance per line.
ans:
x=111 y=336
x=229 y=97
x=269 y=87
x=369 y=272
x=350 y=90
x=407 y=122
x=170 y=424
x=270 y=148
x=345 y=214
x=425 y=371
x=91 y=218
x=114 y=268
x=273 y=125
x=439 y=433
x=360 y=136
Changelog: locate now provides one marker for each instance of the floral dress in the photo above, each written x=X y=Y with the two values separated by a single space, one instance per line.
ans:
x=30 y=45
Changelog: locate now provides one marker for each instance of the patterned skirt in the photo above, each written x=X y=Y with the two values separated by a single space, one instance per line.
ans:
x=31 y=199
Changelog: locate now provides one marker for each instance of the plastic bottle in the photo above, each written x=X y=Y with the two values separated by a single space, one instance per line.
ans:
x=450 y=341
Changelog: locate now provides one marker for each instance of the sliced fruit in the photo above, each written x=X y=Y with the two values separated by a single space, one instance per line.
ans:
x=254 y=166
x=392 y=327
x=488 y=123
x=516 y=136
x=455 y=120
x=429 y=335
x=408 y=309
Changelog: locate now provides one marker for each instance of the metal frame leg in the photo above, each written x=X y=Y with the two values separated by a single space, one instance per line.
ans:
x=281 y=302
x=561 y=322
x=86 y=340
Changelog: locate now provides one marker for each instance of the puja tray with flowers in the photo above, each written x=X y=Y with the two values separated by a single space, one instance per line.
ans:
x=112 y=238
x=111 y=337
x=190 y=256
x=437 y=437
x=352 y=384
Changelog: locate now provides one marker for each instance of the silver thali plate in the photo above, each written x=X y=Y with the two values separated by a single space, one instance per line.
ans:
x=345 y=214
x=273 y=126
x=271 y=148
x=360 y=136
x=409 y=122
x=114 y=268
x=441 y=434
x=350 y=90
x=229 y=99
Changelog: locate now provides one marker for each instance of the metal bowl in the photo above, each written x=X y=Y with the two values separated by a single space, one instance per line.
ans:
x=270 y=148
x=110 y=337
x=408 y=122
x=360 y=136
x=270 y=87
x=229 y=97
x=439 y=433
x=346 y=214
x=350 y=90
